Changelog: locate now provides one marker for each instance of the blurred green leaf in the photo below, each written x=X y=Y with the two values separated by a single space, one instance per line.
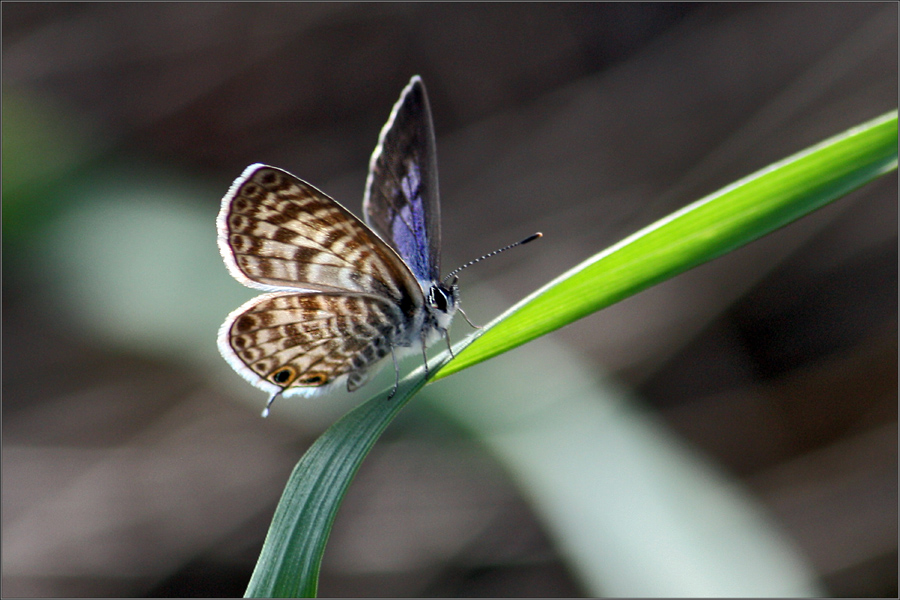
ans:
x=42 y=147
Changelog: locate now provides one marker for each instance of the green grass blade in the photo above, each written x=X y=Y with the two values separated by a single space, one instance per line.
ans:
x=288 y=566
x=289 y=563
x=712 y=226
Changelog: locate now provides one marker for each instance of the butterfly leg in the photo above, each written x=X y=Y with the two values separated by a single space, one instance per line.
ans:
x=449 y=347
x=396 y=374
x=424 y=355
x=466 y=317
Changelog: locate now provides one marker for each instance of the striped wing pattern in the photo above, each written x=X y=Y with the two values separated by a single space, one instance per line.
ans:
x=308 y=340
x=342 y=296
x=276 y=232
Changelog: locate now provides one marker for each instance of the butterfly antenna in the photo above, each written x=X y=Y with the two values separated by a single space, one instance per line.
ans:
x=265 y=412
x=530 y=238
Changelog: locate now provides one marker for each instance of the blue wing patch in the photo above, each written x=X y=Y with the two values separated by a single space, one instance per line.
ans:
x=408 y=226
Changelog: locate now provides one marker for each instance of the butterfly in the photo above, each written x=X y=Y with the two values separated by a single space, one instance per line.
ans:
x=343 y=294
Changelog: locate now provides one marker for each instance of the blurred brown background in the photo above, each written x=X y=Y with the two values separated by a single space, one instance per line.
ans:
x=134 y=461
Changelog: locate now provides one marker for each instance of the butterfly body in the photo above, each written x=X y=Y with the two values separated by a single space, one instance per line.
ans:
x=343 y=295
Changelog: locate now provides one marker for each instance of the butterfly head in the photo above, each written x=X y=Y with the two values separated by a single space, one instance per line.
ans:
x=442 y=301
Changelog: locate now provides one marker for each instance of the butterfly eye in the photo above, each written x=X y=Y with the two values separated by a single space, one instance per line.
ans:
x=438 y=299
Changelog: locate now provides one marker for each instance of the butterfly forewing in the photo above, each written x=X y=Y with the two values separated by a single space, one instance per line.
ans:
x=401 y=201
x=278 y=232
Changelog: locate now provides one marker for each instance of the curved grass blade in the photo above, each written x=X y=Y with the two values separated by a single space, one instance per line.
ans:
x=710 y=227
x=288 y=566
x=289 y=563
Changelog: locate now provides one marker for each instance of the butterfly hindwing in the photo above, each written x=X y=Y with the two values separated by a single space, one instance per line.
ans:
x=298 y=342
x=401 y=201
